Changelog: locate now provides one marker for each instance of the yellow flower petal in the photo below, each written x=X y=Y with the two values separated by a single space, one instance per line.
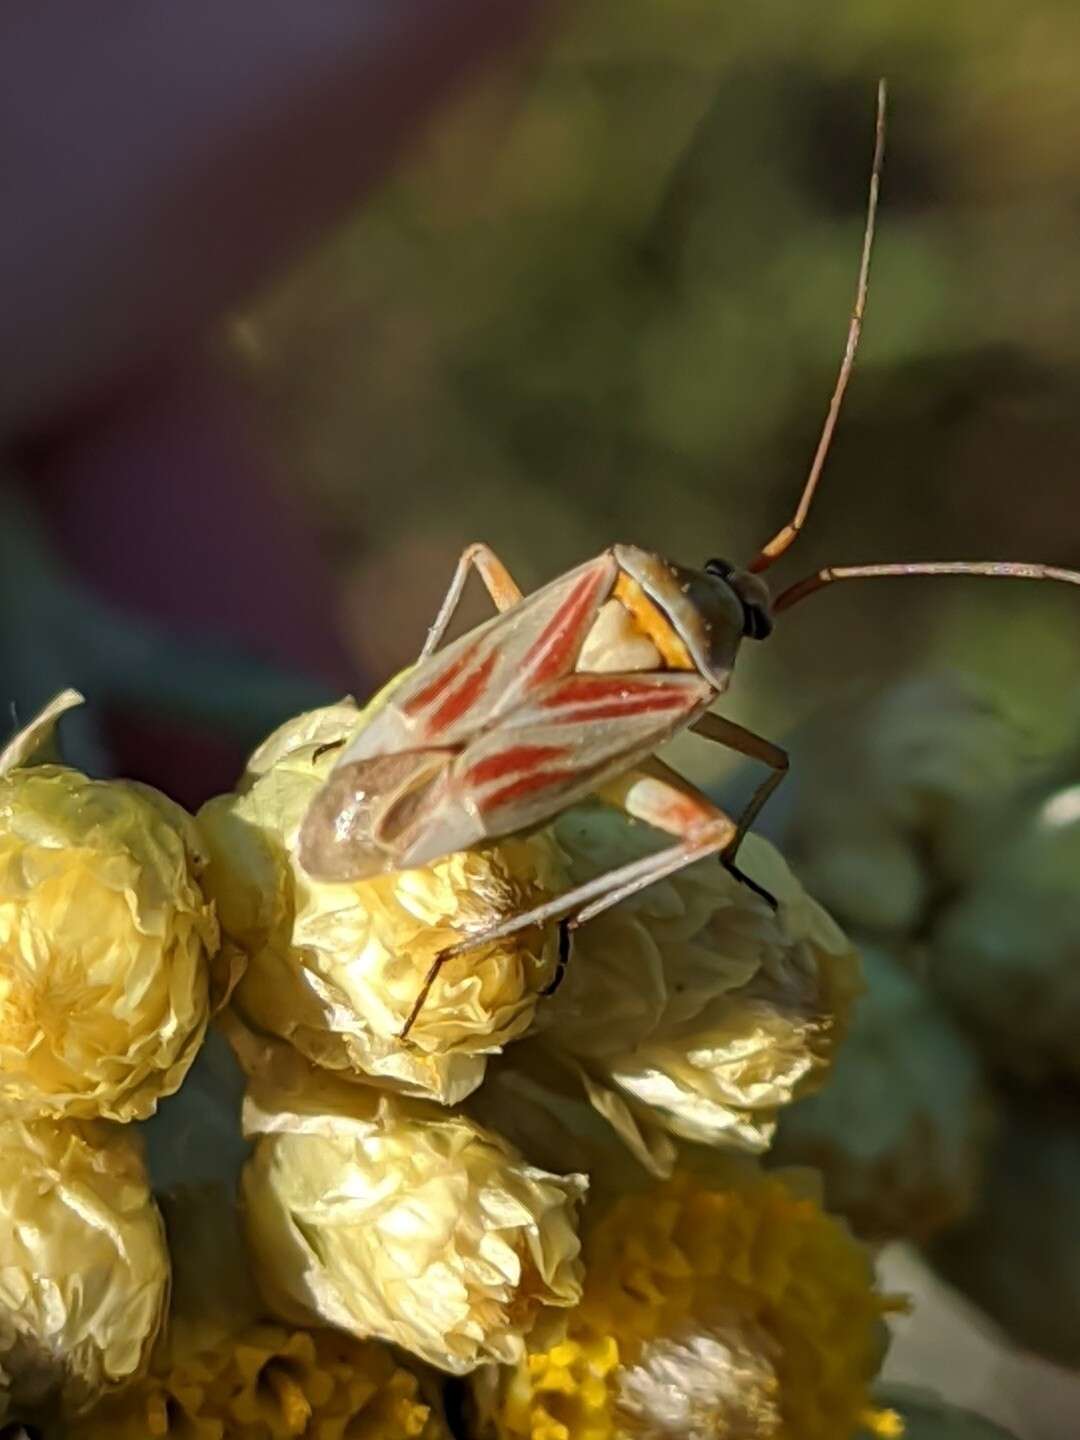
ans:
x=105 y=942
x=692 y=1007
x=387 y=1217
x=335 y=969
x=83 y=1267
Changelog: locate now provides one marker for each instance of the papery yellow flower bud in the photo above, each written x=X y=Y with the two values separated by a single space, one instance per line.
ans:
x=223 y=1372
x=105 y=940
x=390 y=1218
x=335 y=968
x=547 y=1105
x=736 y=1308
x=84 y=1271
x=692 y=1006
x=900 y=1130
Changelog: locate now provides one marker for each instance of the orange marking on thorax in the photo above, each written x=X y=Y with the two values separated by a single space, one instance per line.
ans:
x=652 y=621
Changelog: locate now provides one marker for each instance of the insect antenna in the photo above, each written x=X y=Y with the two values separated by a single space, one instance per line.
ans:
x=996 y=569
x=783 y=539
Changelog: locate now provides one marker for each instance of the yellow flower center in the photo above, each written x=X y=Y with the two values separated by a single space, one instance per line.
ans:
x=740 y=1312
x=701 y=1384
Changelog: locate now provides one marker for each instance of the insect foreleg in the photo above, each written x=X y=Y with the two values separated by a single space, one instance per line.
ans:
x=755 y=747
x=498 y=581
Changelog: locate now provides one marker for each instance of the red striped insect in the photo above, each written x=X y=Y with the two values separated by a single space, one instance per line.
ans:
x=567 y=693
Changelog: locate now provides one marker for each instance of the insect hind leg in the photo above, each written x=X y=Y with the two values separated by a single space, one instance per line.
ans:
x=566 y=948
x=654 y=793
x=586 y=901
x=668 y=801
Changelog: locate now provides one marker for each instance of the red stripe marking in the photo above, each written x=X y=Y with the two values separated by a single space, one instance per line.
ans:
x=434 y=688
x=466 y=694
x=553 y=647
x=508 y=762
x=632 y=705
x=590 y=687
x=528 y=785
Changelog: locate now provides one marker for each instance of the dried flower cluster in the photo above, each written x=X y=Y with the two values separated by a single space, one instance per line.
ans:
x=223 y=1372
x=106 y=942
x=542 y=1195
x=727 y=1306
x=83 y=1268
x=386 y=1217
x=334 y=969
x=105 y=938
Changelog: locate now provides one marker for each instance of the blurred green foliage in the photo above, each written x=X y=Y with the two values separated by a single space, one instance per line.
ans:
x=606 y=299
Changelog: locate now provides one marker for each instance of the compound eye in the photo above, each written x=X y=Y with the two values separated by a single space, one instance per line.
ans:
x=722 y=569
x=757 y=623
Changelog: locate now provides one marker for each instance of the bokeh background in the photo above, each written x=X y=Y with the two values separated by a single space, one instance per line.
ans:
x=607 y=295
x=602 y=294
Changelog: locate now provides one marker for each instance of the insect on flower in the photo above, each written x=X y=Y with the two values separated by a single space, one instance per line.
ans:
x=568 y=692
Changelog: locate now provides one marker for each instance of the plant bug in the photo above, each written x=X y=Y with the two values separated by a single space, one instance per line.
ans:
x=567 y=693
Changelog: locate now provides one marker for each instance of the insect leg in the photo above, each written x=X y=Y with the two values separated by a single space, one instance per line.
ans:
x=745 y=742
x=653 y=793
x=500 y=585
x=566 y=945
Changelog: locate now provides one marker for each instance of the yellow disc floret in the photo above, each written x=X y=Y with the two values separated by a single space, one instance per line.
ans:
x=734 y=1311
x=272 y=1383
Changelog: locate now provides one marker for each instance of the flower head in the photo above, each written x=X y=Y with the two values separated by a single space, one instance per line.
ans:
x=267 y=1382
x=335 y=968
x=391 y=1218
x=105 y=941
x=692 y=1007
x=728 y=1308
x=221 y=1371
x=84 y=1271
